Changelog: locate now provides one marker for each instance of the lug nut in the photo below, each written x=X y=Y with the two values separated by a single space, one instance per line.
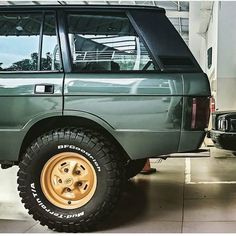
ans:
x=60 y=181
x=80 y=184
x=68 y=190
x=69 y=202
x=78 y=172
x=66 y=170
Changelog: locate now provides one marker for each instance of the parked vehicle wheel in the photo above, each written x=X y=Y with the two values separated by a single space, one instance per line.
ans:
x=70 y=179
x=133 y=167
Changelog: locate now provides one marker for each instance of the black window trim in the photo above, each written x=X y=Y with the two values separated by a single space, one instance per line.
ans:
x=177 y=68
x=43 y=12
x=157 y=64
x=62 y=70
x=64 y=41
x=41 y=41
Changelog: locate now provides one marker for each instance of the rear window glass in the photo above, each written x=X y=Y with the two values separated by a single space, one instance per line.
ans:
x=103 y=42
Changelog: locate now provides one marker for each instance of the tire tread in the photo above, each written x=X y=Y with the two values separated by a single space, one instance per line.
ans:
x=112 y=162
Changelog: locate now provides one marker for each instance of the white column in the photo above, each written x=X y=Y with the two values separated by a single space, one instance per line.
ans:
x=226 y=62
x=194 y=38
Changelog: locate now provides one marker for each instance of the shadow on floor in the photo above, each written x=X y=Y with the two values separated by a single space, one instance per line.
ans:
x=132 y=205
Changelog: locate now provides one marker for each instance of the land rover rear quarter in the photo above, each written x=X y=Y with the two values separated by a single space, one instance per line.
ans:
x=87 y=93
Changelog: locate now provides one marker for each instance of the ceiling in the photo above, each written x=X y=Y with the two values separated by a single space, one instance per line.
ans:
x=177 y=11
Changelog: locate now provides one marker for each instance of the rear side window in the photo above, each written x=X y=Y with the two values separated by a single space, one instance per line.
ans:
x=105 y=42
x=19 y=41
x=28 y=42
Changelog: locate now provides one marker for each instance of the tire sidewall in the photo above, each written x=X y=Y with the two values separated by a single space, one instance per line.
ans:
x=33 y=181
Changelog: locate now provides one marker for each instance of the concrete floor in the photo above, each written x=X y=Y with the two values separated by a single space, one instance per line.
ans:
x=190 y=196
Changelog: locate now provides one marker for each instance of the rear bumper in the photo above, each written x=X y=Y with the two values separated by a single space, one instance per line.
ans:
x=223 y=140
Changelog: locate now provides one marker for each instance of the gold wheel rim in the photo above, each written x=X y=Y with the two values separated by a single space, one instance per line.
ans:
x=68 y=180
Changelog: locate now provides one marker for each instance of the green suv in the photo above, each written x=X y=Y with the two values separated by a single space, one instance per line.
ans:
x=87 y=93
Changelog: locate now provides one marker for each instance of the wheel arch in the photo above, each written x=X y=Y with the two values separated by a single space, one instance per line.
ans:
x=47 y=124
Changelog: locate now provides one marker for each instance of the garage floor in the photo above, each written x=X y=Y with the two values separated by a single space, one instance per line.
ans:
x=197 y=195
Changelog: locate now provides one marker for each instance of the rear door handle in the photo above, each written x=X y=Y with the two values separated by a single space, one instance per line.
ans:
x=44 y=89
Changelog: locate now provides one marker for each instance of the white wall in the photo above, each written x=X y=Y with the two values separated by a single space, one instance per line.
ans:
x=194 y=37
x=203 y=30
x=226 y=76
x=213 y=25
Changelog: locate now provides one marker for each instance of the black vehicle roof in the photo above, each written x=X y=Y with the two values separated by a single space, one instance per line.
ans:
x=80 y=6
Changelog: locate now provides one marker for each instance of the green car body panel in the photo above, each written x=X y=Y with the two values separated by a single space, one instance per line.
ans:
x=145 y=112
x=133 y=108
x=21 y=108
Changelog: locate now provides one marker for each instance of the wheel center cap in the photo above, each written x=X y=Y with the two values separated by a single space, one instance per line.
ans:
x=69 y=181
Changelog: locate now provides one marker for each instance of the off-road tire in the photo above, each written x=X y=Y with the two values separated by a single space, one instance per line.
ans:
x=110 y=176
x=133 y=167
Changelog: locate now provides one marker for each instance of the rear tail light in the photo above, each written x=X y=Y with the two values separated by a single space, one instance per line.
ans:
x=213 y=105
x=194 y=113
x=200 y=113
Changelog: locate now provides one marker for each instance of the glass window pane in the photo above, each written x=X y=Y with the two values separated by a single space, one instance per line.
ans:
x=50 y=49
x=19 y=41
x=106 y=43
